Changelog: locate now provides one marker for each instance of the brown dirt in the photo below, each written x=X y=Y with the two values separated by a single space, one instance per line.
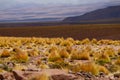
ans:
x=99 y=31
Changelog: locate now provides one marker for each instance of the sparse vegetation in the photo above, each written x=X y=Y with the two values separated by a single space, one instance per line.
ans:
x=91 y=56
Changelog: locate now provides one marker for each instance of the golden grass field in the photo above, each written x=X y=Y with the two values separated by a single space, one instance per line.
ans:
x=46 y=58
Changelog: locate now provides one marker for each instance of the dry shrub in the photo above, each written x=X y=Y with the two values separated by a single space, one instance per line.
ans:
x=117 y=62
x=5 y=53
x=63 y=53
x=103 y=58
x=66 y=43
x=75 y=67
x=33 y=53
x=21 y=56
x=110 y=52
x=90 y=67
x=103 y=69
x=80 y=55
x=54 y=56
x=85 y=41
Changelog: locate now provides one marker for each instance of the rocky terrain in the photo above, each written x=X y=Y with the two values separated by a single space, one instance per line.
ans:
x=59 y=59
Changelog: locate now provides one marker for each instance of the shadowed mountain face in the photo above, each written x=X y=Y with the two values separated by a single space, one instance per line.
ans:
x=111 y=13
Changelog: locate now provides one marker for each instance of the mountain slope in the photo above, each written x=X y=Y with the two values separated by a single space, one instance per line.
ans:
x=32 y=20
x=111 y=13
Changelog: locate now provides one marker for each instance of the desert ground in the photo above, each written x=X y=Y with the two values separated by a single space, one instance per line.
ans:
x=79 y=31
x=62 y=52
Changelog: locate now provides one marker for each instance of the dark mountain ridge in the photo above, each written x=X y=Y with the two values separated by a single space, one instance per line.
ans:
x=108 y=14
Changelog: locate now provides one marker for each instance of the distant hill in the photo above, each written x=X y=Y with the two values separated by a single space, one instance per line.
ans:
x=109 y=14
x=33 y=20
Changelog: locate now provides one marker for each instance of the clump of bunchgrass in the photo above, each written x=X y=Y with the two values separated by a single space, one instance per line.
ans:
x=33 y=53
x=103 y=59
x=117 y=62
x=90 y=67
x=80 y=55
x=110 y=52
x=5 y=53
x=54 y=56
x=21 y=56
x=103 y=69
x=75 y=67
x=63 y=53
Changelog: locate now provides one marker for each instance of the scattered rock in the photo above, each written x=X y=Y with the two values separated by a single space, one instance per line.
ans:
x=55 y=74
x=19 y=76
x=7 y=76
x=117 y=75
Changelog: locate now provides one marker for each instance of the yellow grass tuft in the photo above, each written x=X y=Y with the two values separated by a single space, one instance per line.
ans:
x=75 y=67
x=63 y=53
x=5 y=53
x=103 y=69
x=77 y=55
x=110 y=52
x=21 y=57
x=117 y=62
x=33 y=53
x=103 y=58
x=54 y=56
x=90 y=67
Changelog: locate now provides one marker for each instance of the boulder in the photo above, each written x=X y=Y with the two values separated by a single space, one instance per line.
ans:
x=55 y=74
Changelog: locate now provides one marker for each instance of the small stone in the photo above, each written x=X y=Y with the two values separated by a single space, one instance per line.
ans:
x=102 y=74
x=117 y=75
x=19 y=76
x=1 y=77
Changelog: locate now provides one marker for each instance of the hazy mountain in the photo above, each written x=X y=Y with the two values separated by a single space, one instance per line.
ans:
x=33 y=20
x=109 y=14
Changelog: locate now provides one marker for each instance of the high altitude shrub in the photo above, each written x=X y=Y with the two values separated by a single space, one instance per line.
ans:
x=75 y=67
x=33 y=53
x=54 y=56
x=117 y=62
x=5 y=53
x=103 y=69
x=74 y=55
x=103 y=58
x=80 y=55
x=84 y=55
x=66 y=43
x=63 y=53
x=90 y=67
x=94 y=41
x=21 y=56
x=110 y=52
x=85 y=41
x=118 y=52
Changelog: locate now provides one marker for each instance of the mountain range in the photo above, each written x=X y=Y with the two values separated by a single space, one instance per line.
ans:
x=109 y=14
x=32 y=20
